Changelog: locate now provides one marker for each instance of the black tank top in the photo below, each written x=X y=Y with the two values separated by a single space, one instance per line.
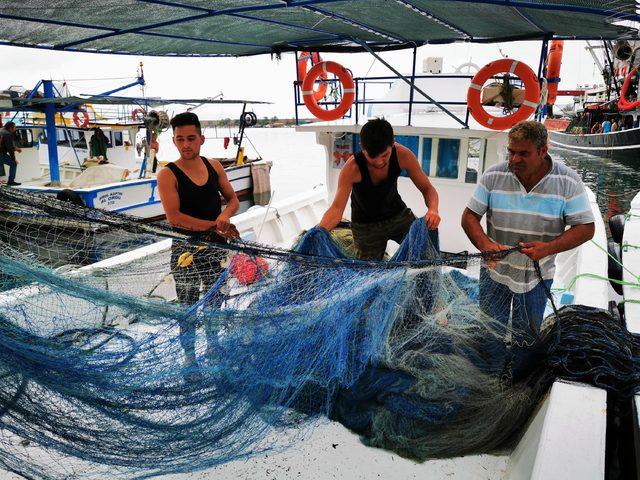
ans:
x=201 y=202
x=374 y=203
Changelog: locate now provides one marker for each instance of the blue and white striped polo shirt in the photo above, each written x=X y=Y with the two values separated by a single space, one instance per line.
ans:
x=515 y=215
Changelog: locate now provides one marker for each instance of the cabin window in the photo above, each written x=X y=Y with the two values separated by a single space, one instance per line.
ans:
x=24 y=138
x=412 y=142
x=62 y=137
x=426 y=155
x=409 y=141
x=109 y=135
x=475 y=153
x=78 y=139
x=117 y=139
x=448 y=151
x=126 y=138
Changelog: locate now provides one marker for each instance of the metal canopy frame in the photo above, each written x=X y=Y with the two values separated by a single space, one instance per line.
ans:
x=388 y=40
x=464 y=123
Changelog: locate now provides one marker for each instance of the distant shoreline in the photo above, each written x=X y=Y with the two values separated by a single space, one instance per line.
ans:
x=265 y=122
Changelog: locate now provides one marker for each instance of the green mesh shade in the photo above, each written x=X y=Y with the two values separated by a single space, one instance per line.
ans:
x=250 y=27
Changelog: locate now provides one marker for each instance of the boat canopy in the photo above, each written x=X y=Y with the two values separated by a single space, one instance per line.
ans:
x=251 y=27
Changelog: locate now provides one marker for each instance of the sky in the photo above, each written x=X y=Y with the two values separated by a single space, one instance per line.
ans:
x=257 y=78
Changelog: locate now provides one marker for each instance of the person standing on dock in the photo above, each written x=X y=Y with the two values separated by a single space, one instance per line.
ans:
x=370 y=177
x=190 y=190
x=529 y=201
x=8 y=151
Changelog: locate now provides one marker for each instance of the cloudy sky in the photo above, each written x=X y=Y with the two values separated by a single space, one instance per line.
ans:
x=258 y=78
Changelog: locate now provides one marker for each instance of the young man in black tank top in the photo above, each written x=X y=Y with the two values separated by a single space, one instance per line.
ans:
x=370 y=178
x=190 y=190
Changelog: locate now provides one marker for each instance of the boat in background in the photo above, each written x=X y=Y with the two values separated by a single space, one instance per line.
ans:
x=600 y=103
x=125 y=181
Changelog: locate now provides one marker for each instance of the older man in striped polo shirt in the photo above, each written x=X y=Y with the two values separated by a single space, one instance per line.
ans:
x=529 y=201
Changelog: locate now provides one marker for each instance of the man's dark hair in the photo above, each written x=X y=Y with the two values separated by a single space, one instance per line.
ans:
x=9 y=125
x=184 y=119
x=376 y=136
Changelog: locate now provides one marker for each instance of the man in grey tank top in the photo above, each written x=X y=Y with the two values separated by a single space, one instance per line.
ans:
x=369 y=178
x=529 y=202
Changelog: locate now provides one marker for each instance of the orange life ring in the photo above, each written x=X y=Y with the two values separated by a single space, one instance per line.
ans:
x=137 y=115
x=532 y=93
x=623 y=103
x=85 y=119
x=302 y=72
x=554 y=62
x=348 y=91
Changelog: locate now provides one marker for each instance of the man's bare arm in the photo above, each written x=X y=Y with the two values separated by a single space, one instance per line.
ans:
x=571 y=238
x=409 y=162
x=223 y=220
x=334 y=213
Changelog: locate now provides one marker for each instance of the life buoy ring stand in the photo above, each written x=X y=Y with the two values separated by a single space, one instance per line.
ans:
x=623 y=103
x=138 y=114
x=531 y=86
x=302 y=72
x=81 y=123
x=348 y=91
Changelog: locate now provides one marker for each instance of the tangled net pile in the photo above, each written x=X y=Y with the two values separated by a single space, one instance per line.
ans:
x=92 y=375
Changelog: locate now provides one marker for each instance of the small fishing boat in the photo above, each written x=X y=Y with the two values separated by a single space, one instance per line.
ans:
x=605 y=122
x=123 y=177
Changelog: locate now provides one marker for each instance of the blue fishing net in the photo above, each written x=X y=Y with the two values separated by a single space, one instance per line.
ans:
x=192 y=353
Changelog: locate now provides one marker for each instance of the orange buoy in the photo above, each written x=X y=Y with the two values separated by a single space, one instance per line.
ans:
x=137 y=115
x=81 y=123
x=532 y=93
x=248 y=269
x=623 y=103
x=302 y=72
x=554 y=62
x=348 y=91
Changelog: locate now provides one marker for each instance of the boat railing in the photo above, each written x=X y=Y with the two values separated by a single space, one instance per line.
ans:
x=361 y=102
x=417 y=96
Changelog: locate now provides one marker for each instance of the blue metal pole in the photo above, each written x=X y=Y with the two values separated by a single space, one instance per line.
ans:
x=355 y=106
x=52 y=139
x=542 y=68
x=413 y=82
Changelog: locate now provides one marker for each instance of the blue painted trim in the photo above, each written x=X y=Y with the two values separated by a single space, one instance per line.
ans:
x=135 y=205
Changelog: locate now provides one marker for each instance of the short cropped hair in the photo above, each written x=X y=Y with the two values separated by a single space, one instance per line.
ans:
x=530 y=130
x=9 y=125
x=376 y=136
x=184 y=119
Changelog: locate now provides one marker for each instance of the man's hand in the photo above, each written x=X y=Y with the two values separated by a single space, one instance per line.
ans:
x=535 y=250
x=222 y=223
x=18 y=149
x=433 y=219
x=492 y=261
